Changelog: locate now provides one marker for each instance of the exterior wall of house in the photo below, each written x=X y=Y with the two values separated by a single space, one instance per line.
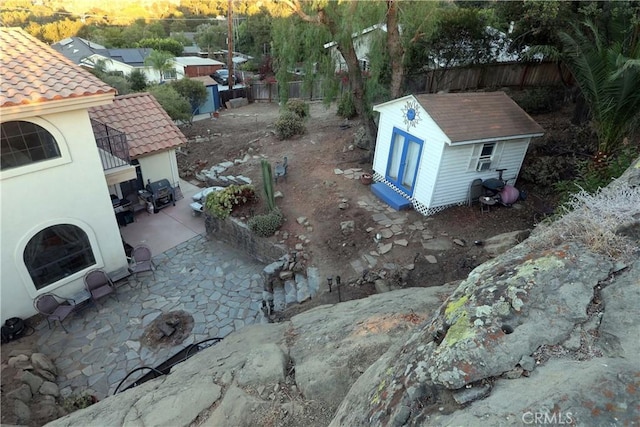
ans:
x=162 y=165
x=74 y=192
x=361 y=44
x=391 y=115
x=457 y=169
x=153 y=76
x=200 y=70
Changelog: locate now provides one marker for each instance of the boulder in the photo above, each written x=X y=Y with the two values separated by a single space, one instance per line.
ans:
x=500 y=243
x=40 y=361
x=33 y=381
x=266 y=364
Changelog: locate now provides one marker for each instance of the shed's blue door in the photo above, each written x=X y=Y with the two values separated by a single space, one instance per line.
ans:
x=404 y=157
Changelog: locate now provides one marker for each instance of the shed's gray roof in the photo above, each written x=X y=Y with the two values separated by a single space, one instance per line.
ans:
x=476 y=116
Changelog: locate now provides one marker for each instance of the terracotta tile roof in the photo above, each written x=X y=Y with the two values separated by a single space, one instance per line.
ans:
x=34 y=73
x=478 y=115
x=148 y=127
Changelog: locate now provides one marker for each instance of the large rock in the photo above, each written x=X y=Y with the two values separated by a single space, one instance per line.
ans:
x=41 y=361
x=496 y=245
x=505 y=310
x=330 y=346
x=266 y=364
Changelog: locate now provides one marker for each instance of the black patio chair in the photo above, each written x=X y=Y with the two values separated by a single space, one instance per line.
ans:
x=54 y=307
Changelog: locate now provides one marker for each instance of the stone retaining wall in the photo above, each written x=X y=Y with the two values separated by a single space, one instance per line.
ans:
x=237 y=234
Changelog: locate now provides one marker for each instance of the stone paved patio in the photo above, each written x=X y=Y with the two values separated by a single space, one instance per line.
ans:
x=219 y=286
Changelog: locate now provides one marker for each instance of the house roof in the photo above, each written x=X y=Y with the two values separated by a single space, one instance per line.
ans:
x=76 y=48
x=196 y=60
x=477 y=116
x=33 y=73
x=134 y=57
x=148 y=127
x=208 y=81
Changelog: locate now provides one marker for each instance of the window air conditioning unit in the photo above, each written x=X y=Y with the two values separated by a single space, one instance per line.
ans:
x=483 y=165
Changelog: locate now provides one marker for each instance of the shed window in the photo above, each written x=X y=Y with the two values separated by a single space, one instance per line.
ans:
x=485 y=157
x=57 y=252
x=23 y=143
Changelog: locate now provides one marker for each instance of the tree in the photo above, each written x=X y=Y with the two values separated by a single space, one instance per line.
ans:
x=165 y=44
x=193 y=90
x=339 y=21
x=606 y=68
x=210 y=37
x=255 y=34
x=138 y=80
x=176 y=106
x=121 y=84
x=160 y=61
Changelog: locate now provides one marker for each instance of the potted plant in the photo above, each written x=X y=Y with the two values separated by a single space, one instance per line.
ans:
x=366 y=178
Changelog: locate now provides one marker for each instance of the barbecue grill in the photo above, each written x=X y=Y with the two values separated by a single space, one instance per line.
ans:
x=160 y=194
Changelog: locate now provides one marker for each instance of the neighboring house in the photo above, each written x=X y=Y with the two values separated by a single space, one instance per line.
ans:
x=361 y=43
x=124 y=61
x=498 y=49
x=193 y=66
x=151 y=136
x=119 y=61
x=430 y=148
x=57 y=219
x=213 y=102
x=77 y=48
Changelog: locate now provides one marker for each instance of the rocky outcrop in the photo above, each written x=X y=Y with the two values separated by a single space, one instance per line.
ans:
x=292 y=370
x=546 y=332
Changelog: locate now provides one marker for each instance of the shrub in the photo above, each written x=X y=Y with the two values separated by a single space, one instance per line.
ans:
x=298 y=107
x=596 y=173
x=598 y=221
x=220 y=204
x=289 y=124
x=346 y=107
x=266 y=225
x=546 y=171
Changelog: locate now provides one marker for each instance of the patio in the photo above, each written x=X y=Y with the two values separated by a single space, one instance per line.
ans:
x=218 y=286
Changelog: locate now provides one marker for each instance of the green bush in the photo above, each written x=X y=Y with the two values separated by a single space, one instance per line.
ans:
x=546 y=171
x=266 y=225
x=289 y=124
x=298 y=107
x=346 y=107
x=596 y=173
x=221 y=203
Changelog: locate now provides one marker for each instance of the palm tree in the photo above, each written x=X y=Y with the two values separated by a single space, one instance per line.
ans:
x=161 y=61
x=607 y=71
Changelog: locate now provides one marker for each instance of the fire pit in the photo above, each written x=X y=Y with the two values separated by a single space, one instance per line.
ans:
x=168 y=329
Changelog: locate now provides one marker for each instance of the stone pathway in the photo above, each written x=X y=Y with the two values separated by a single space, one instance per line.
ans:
x=219 y=286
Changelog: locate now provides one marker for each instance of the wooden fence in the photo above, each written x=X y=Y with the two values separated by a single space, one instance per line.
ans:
x=514 y=75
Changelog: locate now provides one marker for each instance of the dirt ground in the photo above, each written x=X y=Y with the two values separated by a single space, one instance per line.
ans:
x=314 y=191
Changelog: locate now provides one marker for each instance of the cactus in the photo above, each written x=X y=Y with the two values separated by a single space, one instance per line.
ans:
x=267 y=181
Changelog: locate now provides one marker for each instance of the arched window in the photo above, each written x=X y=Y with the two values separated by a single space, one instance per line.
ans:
x=23 y=143
x=57 y=252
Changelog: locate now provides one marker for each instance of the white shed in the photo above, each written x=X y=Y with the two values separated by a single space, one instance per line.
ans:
x=431 y=147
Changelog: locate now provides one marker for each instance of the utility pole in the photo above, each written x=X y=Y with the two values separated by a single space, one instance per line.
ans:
x=230 y=44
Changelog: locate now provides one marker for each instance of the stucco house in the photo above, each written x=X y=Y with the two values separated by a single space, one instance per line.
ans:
x=151 y=138
x=429 y=148
x=57 y=220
